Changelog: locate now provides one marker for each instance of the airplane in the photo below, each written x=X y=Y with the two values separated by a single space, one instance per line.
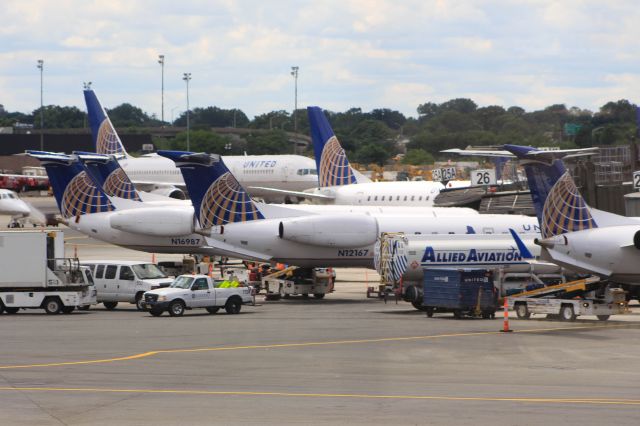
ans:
x=576 y=235
x=97 y=199
x=19 y=210
x=226 y=213
x=339 y=183
x=158 y=175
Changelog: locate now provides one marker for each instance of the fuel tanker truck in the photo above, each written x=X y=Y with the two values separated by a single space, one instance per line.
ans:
x=401 y=259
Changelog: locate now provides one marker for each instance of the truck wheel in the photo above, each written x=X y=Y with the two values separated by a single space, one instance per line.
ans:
x=140 y=301
x=318 y=295
x=110 y=305
x=176 y=308
x=417 y=304
x=603 y=317
x=457 y=314
x=156 y=312
x=68 y=309
x=212 y=309
x=567 y=313
x=305 y=295
x=522 y=311
x=429 y=310
x=233 y=306
x=52 y=306
x=11 y=311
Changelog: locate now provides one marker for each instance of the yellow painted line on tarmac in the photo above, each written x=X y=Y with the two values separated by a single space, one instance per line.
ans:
x=306 y=344
x=590 y=401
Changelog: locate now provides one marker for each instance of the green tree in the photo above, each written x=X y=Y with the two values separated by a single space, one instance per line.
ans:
x=273 y=142
x=57 y=117
x=127 y=115
x=417 y=157
x=201 y=141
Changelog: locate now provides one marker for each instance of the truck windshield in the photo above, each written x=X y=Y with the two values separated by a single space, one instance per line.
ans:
x=182 y=282
x=148 y=271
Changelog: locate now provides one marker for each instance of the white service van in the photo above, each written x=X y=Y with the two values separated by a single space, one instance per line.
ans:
x=125 y=280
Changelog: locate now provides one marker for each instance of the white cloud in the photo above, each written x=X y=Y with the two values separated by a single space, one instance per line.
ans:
x=368 y=53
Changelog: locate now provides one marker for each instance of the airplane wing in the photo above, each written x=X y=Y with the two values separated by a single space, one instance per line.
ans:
x=295 y=193
x=228 y=250
x=480 y=152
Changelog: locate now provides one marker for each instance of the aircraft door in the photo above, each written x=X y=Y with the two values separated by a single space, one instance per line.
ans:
x=201 y=294
x=285 y=173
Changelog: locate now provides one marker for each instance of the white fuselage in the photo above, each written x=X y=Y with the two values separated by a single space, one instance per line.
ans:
x=608 y=252
x=264 y=236
x=11 y=205
x=403 y=193
x=287 y=172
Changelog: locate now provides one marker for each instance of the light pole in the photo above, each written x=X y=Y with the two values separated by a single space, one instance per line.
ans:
x=161 y=62
x=187 y=77
x=41 y=67
x=294 y=73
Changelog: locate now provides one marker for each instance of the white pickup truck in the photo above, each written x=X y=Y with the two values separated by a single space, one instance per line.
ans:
x=196 y=291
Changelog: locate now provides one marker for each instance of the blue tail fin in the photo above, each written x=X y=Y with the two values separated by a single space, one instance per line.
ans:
x=105 y=138
x=331 y=160
x=76 y=193
x=216 y=195
x=106 y=172
x=559 y=206
x=524 y=251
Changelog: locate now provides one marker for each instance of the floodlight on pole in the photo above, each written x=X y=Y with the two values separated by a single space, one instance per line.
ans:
x=41 y=68
x=161 y=62
x=187 y=77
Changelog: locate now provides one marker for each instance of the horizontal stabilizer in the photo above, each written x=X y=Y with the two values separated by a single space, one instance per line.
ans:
x=573 y=263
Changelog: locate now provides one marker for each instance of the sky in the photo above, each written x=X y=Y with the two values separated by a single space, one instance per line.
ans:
x=350 y=53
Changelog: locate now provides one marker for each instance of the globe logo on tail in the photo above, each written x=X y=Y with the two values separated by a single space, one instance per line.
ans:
x=565 y=210
x=81 y=197
x=226 y=202
x=118 y=185
x=334 y=166
x=107 y=141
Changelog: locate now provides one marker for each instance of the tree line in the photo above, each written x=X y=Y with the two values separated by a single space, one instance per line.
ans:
x=375 y=136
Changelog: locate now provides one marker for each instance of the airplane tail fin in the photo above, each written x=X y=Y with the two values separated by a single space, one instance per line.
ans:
x=105 y=137
x=559 y=206
x=216 y=195
x=106 y=171
x=331 y=160
x=76 y=193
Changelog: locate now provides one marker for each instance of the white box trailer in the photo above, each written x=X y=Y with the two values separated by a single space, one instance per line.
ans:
x=35 y=274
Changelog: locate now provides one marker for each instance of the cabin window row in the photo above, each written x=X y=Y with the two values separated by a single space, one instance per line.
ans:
x=390 y=198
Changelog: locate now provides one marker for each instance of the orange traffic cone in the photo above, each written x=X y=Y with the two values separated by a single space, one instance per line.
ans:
x=505 y=324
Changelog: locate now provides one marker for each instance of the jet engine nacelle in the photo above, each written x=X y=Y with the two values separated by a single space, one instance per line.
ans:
x=154 y=221
x=636 y=240
x=330 y=230
x=170 y=191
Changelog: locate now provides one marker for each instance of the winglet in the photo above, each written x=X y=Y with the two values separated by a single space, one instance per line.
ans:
x=105 y=137
x=216 y=195
x=524 y=251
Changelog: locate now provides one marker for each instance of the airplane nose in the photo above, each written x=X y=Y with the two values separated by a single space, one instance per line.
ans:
x=23 y=208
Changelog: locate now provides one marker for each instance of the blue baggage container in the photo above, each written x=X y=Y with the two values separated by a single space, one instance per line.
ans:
x=463 y=291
